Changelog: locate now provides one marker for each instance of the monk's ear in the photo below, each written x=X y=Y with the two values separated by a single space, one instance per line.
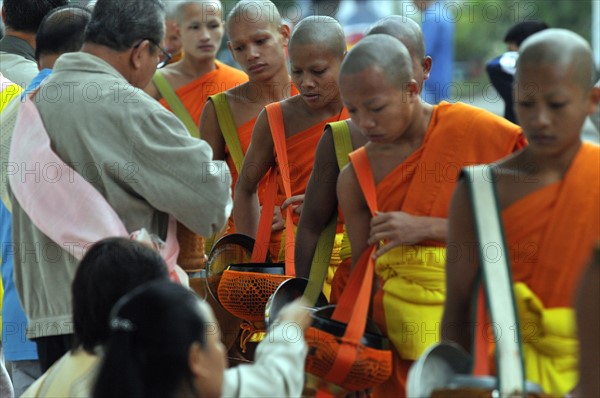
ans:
x=594 y=100
x=426 y=65
x=284 y=31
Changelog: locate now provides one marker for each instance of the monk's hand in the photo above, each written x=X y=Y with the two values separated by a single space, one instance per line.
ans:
x=296 y=202
x=278 y=221
x=395 y=228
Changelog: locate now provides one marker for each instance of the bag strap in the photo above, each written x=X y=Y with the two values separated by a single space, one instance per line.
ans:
x=228 y=129
x=166 y=90
x=496 y=278
x=322 y=257
x=342 y=142
x=275 y=118
x=353 y=306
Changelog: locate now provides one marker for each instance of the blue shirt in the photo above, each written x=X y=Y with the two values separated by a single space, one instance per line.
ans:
x=437 y=23
x=36 y=82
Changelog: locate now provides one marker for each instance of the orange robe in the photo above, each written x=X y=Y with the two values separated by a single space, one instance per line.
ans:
x=301 y=150
x=245 y=136
x=550 y=235
x=458 y=135
x=551 y=232
x=194 y=94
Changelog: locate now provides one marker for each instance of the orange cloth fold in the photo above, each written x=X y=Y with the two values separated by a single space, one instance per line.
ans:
x=194 y=94
x=301 y=150
x=458 y=135
x=551 y=232
x=550 y=235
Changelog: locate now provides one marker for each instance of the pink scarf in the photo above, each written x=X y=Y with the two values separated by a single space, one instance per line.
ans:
x=60 y=202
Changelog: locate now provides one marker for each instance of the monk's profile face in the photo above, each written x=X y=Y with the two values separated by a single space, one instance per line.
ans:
x=314 y=70
x=201 y=31
x=382 y=111
x=258 y=46
x=551 y=106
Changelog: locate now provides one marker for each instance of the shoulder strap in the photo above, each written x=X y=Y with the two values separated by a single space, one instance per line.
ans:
x=275 y=116
x=322 y=256
x=320 y=262
x=353 y=306
x=497 y=279
x=342 y=142
x=167 y=92
x=228 y=129
x=362 y=169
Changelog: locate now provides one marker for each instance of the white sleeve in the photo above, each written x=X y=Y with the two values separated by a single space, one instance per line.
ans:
x=278 y=370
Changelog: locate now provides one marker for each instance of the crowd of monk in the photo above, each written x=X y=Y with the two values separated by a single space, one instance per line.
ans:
x=191 y=152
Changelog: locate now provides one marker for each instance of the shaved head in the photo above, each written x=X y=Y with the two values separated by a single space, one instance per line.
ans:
x=383 y=52
x=210 y=8
x=560 y=48
x=321 y=30
x=404 y=29
x=254 y=11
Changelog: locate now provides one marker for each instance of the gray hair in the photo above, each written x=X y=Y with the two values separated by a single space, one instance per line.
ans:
x=118 y=24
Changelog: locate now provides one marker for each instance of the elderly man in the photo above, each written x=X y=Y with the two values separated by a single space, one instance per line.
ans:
x=122 y=148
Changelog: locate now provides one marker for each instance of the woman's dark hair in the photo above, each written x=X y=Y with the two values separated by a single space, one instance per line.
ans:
x=110 y=269
x=147 y=355
x=119 y=24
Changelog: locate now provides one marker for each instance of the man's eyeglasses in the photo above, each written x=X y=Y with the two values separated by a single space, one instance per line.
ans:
x=164 y=59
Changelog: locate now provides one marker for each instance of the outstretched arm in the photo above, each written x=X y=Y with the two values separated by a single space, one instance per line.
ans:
x=210 y=131
x=462 y=267
x=356 y=212
x=258 y=160
x=320 y=203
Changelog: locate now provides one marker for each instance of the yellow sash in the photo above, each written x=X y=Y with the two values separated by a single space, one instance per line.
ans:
x=414 y=291
x=550 y=346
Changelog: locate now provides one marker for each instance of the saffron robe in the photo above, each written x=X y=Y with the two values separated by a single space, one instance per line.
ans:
x=194 y=94
x=550 y=235
x=458 y=135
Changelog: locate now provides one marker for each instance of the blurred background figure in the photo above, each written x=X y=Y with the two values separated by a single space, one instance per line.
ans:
x=356 y=16
x=173 y=43
x=437 y=22
x=501 y=70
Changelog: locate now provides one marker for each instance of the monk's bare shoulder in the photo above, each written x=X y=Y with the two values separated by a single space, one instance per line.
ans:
x=358 y=138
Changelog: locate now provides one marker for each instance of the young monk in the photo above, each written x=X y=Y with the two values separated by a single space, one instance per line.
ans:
x=257 y=40
x=316 y=49
x=320 y=201
x=184 y=86
x=550 y=203
x=413 y=156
